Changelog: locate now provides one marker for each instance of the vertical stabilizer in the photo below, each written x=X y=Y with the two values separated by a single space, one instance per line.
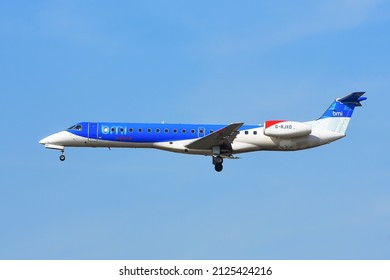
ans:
x=336 y=118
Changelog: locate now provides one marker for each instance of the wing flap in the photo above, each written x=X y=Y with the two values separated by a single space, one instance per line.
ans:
x=217 y=138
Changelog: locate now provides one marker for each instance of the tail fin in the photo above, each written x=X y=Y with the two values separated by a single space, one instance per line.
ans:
x=339 y=113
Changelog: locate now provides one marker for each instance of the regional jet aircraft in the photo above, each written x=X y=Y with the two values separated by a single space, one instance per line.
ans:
x=217 y=141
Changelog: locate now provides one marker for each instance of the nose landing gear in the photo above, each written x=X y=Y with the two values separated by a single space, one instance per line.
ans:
x=217 y=161
x=62 y=156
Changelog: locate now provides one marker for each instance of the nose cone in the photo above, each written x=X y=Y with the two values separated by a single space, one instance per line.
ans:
x=43 y=141
x=59 y=138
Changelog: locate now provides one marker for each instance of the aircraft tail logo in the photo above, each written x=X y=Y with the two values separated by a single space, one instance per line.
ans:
x=336 y=118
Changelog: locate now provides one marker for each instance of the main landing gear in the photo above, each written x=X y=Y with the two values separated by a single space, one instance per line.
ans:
x=217 y=161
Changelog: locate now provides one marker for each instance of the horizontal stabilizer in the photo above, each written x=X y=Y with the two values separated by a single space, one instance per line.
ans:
x=354 y=98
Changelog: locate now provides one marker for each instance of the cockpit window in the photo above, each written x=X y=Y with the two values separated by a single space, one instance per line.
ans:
x=76 y=127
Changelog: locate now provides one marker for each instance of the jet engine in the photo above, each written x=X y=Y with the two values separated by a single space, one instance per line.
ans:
x=286 y=129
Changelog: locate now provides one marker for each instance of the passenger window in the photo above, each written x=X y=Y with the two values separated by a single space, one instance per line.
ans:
x=121 y=129
x=175 y=130
x=149 y=130
x=184 y=131
x=157 y=130
x=113 y=129
x=211 y=131
x=246 y=132
x=255 y=132
x=192 y=131
x=201 y=131
x=131 y=130
x=166 y=130
x=140 y=130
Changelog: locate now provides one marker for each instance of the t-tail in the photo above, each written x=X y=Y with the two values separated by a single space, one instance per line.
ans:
x=336 y=118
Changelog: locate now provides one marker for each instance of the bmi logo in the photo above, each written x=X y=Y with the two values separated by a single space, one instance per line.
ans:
x=337 y=114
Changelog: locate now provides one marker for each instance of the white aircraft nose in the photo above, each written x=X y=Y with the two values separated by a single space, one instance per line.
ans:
x=43 y=141
x=56 y=138
x=56 y=141
x=50 y=139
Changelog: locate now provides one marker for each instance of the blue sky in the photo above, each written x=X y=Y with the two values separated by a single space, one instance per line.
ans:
x=197 y=62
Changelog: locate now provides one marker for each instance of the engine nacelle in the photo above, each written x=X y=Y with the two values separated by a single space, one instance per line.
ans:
x=286 y=129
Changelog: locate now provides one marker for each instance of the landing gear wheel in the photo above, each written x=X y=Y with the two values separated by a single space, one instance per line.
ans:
x=218 y=160
x=62 y=157
x=218 y=167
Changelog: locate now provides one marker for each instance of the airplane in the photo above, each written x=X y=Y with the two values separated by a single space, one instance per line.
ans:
x=218 y=141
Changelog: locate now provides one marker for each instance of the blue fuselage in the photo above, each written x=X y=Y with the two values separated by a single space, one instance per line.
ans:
x=145 y=132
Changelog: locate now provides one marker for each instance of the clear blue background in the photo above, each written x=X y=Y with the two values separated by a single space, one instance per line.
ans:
x=193 y=62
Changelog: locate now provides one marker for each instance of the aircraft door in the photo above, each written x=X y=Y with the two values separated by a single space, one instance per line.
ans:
x=92 y=132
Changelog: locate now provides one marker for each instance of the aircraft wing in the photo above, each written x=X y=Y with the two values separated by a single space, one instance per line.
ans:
x=217 y=138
